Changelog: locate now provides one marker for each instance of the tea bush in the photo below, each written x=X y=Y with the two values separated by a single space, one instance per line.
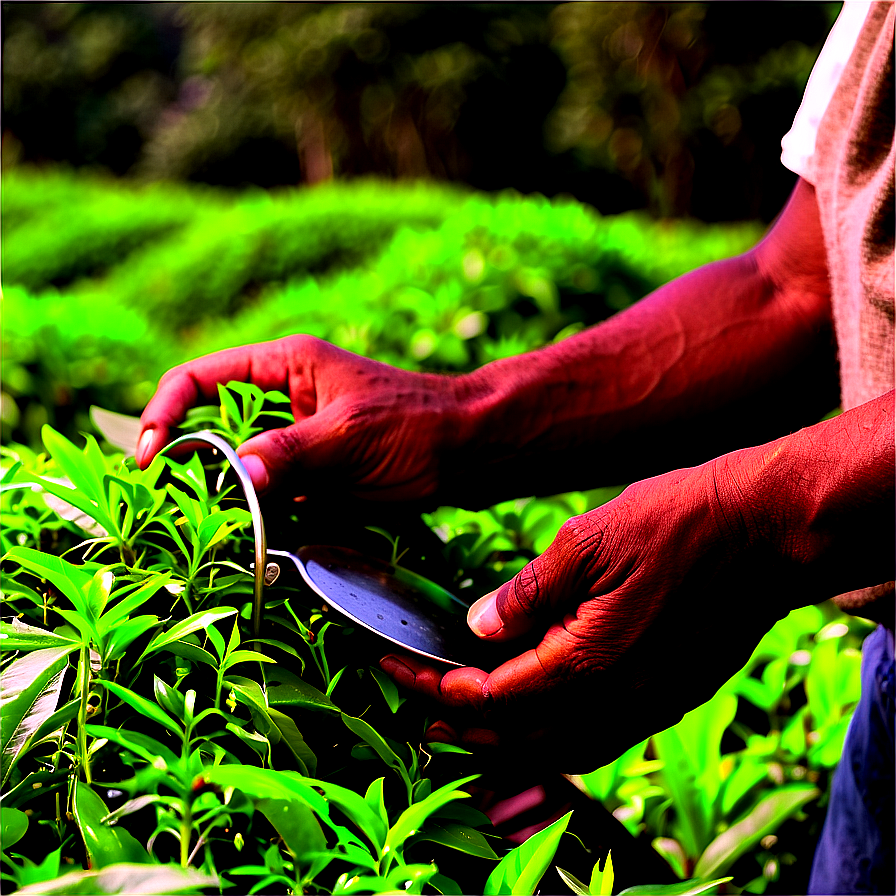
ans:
x=417 y=274
x=141 y=733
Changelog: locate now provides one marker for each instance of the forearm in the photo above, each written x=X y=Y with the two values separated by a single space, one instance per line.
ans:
x=720 y=358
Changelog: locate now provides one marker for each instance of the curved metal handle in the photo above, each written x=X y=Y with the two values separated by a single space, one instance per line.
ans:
x=261 y=547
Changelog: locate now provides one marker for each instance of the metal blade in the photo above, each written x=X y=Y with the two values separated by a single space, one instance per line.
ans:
x=120 y=430
x=399 y=605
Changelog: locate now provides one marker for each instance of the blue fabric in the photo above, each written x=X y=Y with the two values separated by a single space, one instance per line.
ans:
x=855 y=853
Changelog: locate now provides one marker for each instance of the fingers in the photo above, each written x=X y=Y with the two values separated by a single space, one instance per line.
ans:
x=270 y=366
x=550 y=581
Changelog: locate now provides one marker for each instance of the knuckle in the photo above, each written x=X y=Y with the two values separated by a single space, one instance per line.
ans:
x=526 y=590
x=301 y=345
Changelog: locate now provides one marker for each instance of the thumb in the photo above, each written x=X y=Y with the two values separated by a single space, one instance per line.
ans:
x=530 y=598
x=277 y=456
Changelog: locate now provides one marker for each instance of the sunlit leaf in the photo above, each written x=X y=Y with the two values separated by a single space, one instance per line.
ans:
x=29 y=692
x=519 y=872
x=105 y=845
x=682 y=888
x=18 y=635
x=763 y=819
x=129 y=879
x=180 y=630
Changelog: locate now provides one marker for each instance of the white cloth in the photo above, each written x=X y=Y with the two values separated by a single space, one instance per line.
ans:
x=798 y=144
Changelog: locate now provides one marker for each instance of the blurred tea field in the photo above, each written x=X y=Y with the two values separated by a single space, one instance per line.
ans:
x=108 y=284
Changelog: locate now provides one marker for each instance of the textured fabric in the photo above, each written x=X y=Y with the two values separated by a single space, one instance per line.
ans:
x=798 y=144
x=855 y=853
x=852 y=170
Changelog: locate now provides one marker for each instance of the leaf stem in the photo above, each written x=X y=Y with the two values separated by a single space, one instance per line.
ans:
x=83 y=686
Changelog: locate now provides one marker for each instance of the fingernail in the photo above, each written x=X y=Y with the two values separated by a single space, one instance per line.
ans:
x=394 y=667
x=483 y=616
x=143 y=445
x=257 y=471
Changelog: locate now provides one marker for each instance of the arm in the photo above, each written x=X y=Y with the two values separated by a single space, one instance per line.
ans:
x=736 y=351
x=732 y=354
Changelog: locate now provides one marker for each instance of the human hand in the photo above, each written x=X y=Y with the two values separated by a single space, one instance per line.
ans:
x=361 y=426
x=639 y=609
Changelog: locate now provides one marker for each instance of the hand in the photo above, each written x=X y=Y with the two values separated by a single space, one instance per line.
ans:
x=640 y=609
x=361 y=426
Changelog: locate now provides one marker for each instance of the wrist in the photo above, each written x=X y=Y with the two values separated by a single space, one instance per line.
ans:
x=820 y=502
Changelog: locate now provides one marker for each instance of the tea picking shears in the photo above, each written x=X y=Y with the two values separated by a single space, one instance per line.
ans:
x=395 y=603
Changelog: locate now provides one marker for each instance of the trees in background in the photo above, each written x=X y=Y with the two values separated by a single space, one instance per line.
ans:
x=622 y=105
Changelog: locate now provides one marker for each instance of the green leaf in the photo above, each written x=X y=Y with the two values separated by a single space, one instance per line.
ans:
x=17 y=635
x=458 y=836
x=126 y=604
x=124 y=634
x=762 y=820
x=246 y=656
x=230 y=412
x=169 y=698
x=445 y=885
x=29 y=691
x=287 y=689
x=601 y=883
x=412 y=819
x=122 y=878
x=74 y=463
x=192 y=652
x=293 y=739
x=522 y=868
x=573 y=882
x=377 y=801
x=682 y=888
x=143 y=706
x=54 y=722
x=13 y=825
x=264 y=783
x=374 y=739
x=388 y=687
x=71 y=580
x=105 y=845
x=295 y=823
x=180 y=630
x=143 y=745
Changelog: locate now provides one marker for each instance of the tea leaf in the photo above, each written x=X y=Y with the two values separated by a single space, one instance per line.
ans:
x=412 y=819
x=458 y=836
x=18 y=635
x=601 y=883
x=293 y=739
x=376 y=800
x=187 y=626
x=374 y=739
x=763 y=819
x=266 y=783
x=132 y=879
x=682 y=888
x=573 y=882
x=388 y=687
x=295 y=823
x=71 y=580
x=13 y=825
x=522 y=868
x=29 y=691
x=287 y=689
x=105 y=845
x=143 y=745
x=143 y=706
